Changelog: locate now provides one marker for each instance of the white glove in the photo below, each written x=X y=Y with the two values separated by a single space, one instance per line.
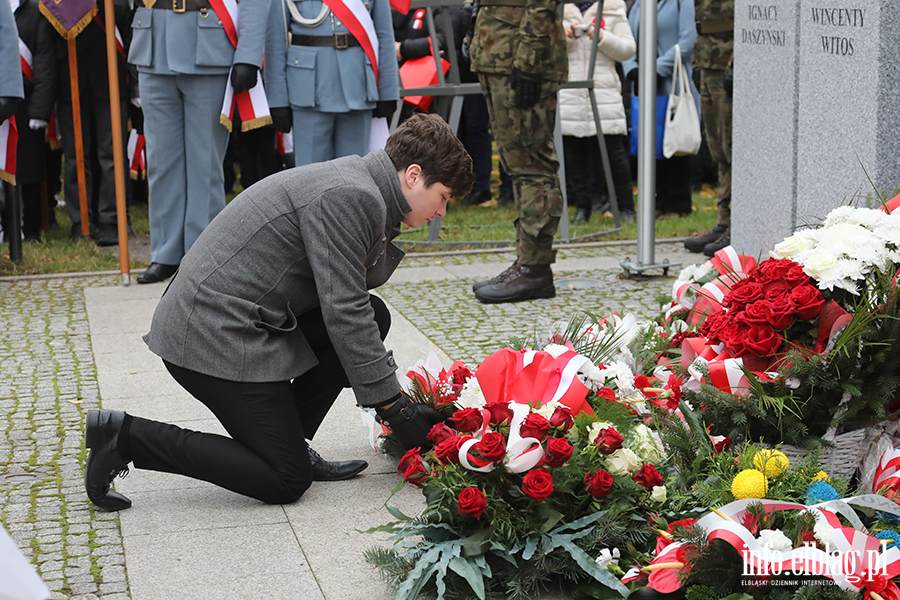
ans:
x=136 y=102
x=37 y=124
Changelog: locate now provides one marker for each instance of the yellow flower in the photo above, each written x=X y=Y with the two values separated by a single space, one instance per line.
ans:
x=749 y=483
x=771 y=462
x=821 y=476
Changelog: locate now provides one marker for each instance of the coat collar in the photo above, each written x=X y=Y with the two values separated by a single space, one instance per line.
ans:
x=384 y=173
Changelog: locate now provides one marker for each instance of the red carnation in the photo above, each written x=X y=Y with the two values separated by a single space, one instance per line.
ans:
x=559 y=450
x=472 y=502
x=537 y=484
x=467 y=419
x=534 y=426
x=599 y=483
x=608 y=440
x=648 y=477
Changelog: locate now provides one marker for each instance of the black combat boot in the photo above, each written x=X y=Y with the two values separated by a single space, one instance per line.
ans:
x=699 y=242
x=519 y=282
x=104 y=461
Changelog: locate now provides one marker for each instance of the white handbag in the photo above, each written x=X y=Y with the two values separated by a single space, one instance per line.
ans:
x=682 y=131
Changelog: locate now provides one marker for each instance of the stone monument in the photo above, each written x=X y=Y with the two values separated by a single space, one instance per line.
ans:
x=817 y=91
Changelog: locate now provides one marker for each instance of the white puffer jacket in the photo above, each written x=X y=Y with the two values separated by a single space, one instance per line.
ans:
x=617 y=45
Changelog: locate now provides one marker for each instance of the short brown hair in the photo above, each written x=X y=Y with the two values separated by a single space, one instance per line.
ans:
x=426 y=140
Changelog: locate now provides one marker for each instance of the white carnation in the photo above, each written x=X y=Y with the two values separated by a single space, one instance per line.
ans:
x=555 y=350
x=774 y=540
x=471 y=395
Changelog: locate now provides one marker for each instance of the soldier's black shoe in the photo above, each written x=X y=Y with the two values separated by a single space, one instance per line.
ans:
x=496 y=278
x=324 y=470
x=522 y=282
x=582 y=216
x=723 y=241
x=101 y=436
x=107 y=235
x=157 y=272
x=699 y=242
x=505 y=198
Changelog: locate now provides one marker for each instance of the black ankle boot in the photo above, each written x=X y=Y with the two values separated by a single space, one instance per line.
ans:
x=104 y=462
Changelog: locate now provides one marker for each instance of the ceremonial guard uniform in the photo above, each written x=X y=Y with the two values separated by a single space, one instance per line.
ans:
x=519 y=52
x=183 y=54
x=325 y=73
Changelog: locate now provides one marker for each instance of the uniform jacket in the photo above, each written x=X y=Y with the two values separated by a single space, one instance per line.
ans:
x=317 y=235
x=37 y=33
x=323 y=78
x=675 y=25
x=576 y=116
x=714 y=50
x=194 y=42
x=10 y=67
x=530 y=38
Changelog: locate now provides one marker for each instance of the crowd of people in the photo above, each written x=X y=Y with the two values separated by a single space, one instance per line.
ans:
x=331 y=71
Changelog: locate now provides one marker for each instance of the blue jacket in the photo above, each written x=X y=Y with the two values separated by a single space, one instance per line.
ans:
x=194 y=42
x=10 y=66
x=325 y=78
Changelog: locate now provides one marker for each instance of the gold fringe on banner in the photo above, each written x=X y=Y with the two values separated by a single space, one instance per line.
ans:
x=68 y=33
x=8 y=177
x=225 y=121
x=255 y=123
x=137 y=175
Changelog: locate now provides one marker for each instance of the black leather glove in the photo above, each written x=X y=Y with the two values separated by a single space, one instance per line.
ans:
x=410 y=422
x=384 y=109
x=243 y=77
x=7 y=107
x=728 y=84
x=527 y=87
x=282 y=118
x=137 y=119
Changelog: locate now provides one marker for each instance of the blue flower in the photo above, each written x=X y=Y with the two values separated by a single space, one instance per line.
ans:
x=889 y=534
x=889 y=517
x=819 y=491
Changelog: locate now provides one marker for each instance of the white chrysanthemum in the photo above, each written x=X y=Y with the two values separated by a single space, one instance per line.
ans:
x=593 y=376
x=647 y=444
x=607 y=557
x=555 y=350
x=471 y=395
x=547 y=410
x=774 y=540
x=623 y=462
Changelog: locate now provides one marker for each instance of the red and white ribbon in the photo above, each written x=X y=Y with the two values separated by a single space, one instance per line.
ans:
x=358 y=21
x=888 y=471
x=26 y=60
x=706 y=300
x=522 y=453
x=9 y=138
x=54 y=137
x=284 y=142
x=137 y=155
x=252 y=104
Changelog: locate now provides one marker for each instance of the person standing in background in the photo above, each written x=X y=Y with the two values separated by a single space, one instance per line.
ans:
x=713 y=55
x=675 y=23
x=580 y=146
x=328 y=78
x=518 y=49
x=11 y=89
x=184 y=55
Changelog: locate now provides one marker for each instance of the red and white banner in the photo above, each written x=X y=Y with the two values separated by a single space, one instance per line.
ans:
x=284 y=142
x=9 y=138
x=252 y=104
x=26 y=60
x=137 y=155
x=358 y=21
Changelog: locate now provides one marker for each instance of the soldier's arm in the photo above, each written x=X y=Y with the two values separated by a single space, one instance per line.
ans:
x=252 y=33
x=276 y=55
x=539 y=17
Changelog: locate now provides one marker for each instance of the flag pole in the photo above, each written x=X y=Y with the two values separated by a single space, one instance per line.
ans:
x=79 y=141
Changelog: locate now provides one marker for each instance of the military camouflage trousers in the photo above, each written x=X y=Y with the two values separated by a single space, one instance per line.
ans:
x=525 y=142
x=715 y=106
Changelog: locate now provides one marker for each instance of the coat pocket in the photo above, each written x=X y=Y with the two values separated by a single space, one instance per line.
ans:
x=301 y=77
x=372 y=94
x=141 y=51
x=276 y=320
x=214 y=49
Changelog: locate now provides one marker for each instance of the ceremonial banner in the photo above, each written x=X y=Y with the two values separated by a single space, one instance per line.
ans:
x=69 y=17
x=9 y=138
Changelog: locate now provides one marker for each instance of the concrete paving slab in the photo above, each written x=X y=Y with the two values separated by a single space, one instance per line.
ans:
x=120 y=342
x=140 y=384
x=283 y=586
x=126 y=362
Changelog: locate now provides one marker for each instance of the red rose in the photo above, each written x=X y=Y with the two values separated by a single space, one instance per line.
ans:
x=598 y=483
x=439 y=433
x=808 y=302
x=713 y=325
x=534 y=426
x=780 y=314
x=562 y=419
x=648 y=477
x=459 y=375
x=492 y=447
x=761 y=341
x=467 y=419
x=796 y=277
x=559 y=450
x=472 y=502
x=733 y=334
x=742 y=293
x=413 y=456
x=501 y=414
x=537 y=484
x=412 y=467
x=777 y=294
x=755 y=314
x=447 y=452
x=609 y=440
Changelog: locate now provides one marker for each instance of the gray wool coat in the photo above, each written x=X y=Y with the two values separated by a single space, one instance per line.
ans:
x=317 y=235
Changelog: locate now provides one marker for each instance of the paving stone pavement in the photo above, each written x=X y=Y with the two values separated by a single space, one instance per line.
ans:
x=49 y=379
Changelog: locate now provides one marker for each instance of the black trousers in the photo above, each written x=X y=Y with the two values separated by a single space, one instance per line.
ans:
x=266 y=456
x=584 y=167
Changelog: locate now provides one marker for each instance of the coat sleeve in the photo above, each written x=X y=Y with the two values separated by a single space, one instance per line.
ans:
x=687 y=34
x=276 y=54
x=251 y=33
x=618 y=42
x=338 y=229
x=633 y=20
x=388 y=75
x=45 y=75
x=10 y=68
